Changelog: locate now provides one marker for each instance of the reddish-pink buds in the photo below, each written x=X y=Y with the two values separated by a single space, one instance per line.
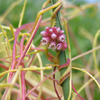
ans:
x=44 y=33
x=55 y=37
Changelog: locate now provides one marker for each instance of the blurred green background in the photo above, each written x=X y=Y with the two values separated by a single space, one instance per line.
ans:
x=90 y=22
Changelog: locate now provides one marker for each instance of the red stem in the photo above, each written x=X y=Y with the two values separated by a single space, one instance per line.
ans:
x=5 y=61
x=22 y=72
x=41 y=83
x=46 y=76
x=3 y=66
x=39 y=49
x=76 y=91
x=15 y=41
x=23 y=83
x=25 y=26
x=55 y=85
x=29 y=43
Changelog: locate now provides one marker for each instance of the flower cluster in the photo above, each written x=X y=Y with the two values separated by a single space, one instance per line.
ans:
x=55 y=37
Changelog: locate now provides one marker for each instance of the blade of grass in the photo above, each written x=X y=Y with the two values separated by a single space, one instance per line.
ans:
x=62 y=60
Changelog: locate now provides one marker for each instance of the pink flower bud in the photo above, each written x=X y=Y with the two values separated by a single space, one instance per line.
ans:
x=64 y=45
x=47 y=29
x=55 y=29
x=58 y=29
x=51 y=30
x=53 y=36
x=61 y=32
x=45 y=40
x=52 y=45
x=61 y=38
x=59 y=46
x=44 y=33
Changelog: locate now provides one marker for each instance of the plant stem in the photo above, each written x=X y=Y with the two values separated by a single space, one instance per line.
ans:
x=65 y=84
x=62 y=60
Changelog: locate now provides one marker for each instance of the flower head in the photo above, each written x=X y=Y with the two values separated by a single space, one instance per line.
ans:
x=55 y=37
